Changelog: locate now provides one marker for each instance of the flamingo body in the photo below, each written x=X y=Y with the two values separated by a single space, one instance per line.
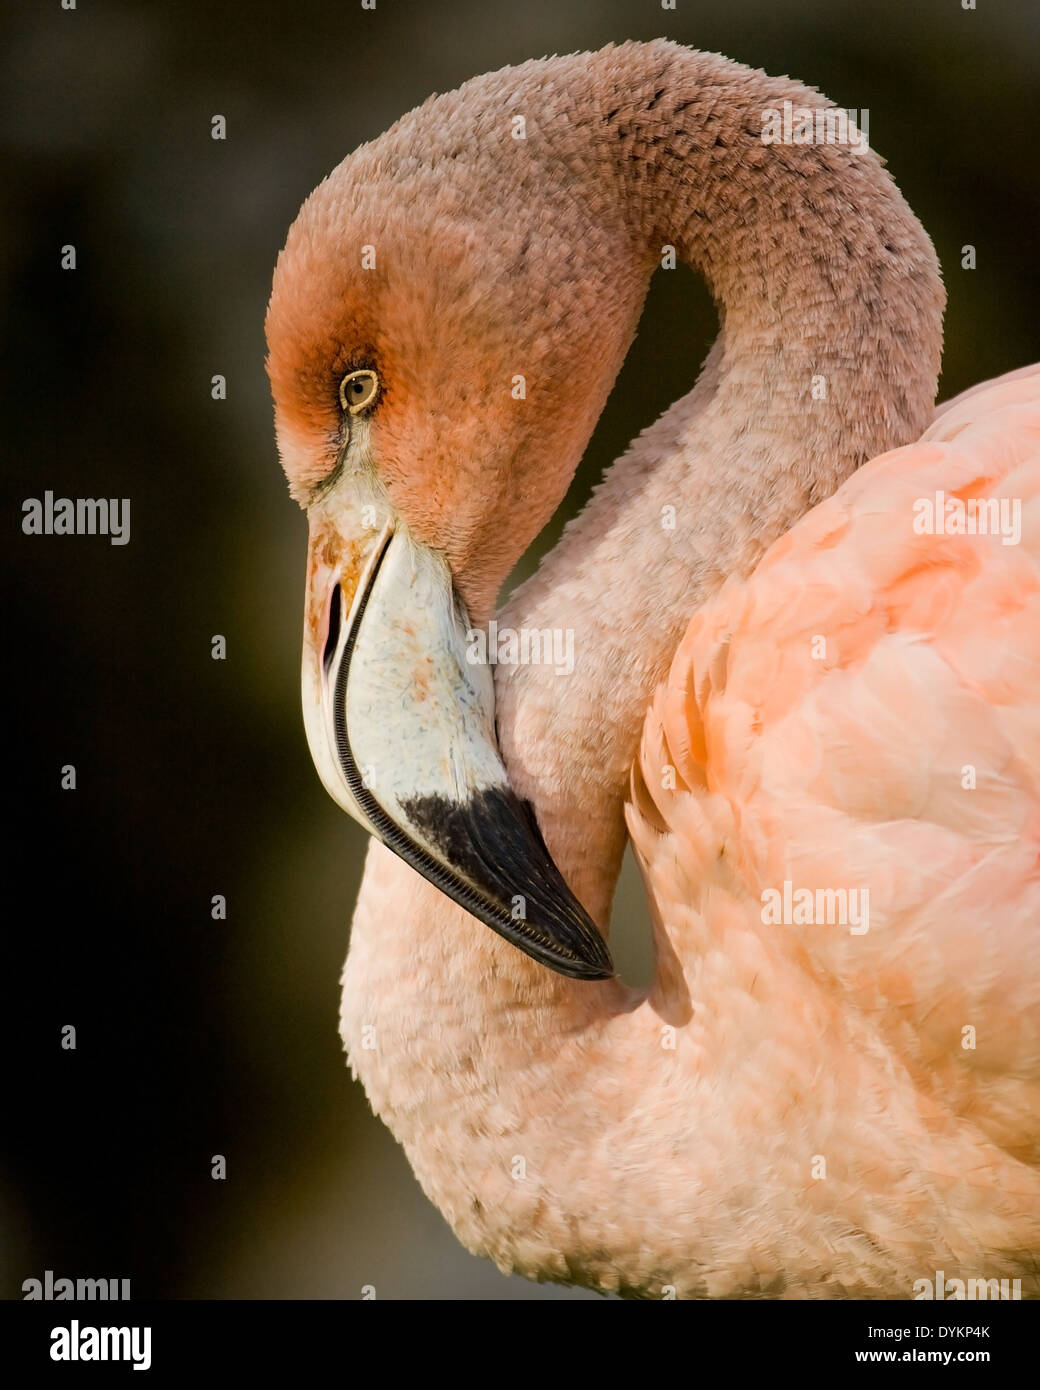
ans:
x=831 y=1086
x=901 y=755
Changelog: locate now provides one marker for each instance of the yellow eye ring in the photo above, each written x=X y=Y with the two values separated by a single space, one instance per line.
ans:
x=358 y=390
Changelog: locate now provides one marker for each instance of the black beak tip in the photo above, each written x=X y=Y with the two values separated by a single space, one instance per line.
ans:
x=505 y=876
x=595 y=964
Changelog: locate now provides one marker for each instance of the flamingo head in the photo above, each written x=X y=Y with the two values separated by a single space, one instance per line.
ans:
x=437 y=368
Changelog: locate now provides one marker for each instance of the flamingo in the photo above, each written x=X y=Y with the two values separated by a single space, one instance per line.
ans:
x=790 y=678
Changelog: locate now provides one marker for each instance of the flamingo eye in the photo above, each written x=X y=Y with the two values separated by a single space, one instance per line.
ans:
x=358 y=390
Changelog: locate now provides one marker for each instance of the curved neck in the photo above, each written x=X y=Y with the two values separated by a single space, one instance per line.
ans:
x=830 y=306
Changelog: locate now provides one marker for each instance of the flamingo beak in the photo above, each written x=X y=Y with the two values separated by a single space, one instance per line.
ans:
x=401 y=727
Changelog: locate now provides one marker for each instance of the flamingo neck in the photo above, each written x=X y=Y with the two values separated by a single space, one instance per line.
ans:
x=830 y=306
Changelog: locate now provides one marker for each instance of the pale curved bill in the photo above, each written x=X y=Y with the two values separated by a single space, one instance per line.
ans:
x=403 y=736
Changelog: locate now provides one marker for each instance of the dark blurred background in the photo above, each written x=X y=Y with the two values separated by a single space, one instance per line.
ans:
x=197 y=1037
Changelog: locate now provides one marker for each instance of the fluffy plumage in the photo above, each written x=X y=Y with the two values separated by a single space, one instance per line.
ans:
x=583 y=1131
